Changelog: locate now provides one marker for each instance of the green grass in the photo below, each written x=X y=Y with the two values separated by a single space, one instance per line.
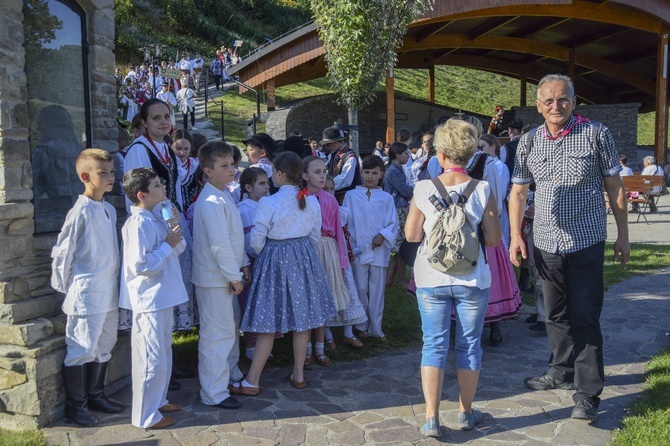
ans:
x=649 y=421
x=22 y=438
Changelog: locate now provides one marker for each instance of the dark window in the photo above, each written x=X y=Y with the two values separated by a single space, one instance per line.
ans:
x=58 y=103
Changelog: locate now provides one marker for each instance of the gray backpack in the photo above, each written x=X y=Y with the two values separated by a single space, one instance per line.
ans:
x=453 y=243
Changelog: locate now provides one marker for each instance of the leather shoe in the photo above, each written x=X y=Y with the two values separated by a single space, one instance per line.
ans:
x=297 y=384
x=179 y=373
x=163 y=423
x=170 y=407
x=354 y=342
x=538 y=327
x=531 y=319
x=239 y=389
x=173 y=385
x=546 y=382
x=230 y=403
x=323 y=360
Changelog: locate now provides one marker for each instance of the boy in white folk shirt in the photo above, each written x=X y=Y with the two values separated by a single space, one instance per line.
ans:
x=373 y=225
x=220 y=268
x=85 y=268
x=151 y=284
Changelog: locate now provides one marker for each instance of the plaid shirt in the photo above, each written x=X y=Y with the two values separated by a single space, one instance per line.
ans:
x=570 y=210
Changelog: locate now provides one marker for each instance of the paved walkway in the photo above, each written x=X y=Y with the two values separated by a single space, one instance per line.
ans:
x=378 y=400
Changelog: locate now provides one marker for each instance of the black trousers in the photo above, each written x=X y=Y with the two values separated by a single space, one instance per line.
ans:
x=192 y=112
x=573 y=295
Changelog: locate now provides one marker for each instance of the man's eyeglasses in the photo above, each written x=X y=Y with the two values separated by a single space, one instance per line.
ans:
x=562 y=102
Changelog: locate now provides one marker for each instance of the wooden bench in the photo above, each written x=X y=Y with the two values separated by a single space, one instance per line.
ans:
x=641 y=190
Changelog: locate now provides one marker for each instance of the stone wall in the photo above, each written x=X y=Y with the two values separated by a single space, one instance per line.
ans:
x=32 y=346
x=620 y=119
x=311 y=116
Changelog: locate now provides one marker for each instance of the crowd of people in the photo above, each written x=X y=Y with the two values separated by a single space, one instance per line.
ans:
x=309 y=236
x=139 y=83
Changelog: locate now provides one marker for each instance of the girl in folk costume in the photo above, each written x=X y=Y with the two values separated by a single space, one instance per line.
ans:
x=348 y=274
x=504 y=296
x=254 y=183
x=151 y=150
x=180 y=143
x=289 y=290
x=333 y=253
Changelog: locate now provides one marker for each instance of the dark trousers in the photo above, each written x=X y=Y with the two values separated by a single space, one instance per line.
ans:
x=573 y=295
x=217 y=81
x=192 y=112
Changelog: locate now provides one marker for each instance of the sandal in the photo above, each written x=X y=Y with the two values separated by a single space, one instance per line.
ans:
x=354 y=342
x=297 y=384
x=330 y=344
x=239 y=389
x=323 y=360
x=308 y=360
x=363 y=334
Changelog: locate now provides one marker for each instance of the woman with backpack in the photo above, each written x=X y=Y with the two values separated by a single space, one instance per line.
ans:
x=445 y=282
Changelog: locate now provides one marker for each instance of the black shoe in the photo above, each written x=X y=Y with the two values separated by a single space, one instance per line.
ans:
x=546 y=382
x=97 y=400
x=585 y=410
x=531 y=319
x=539 y=327
x=76 y=391
x=179 y=373
x=230 y=403
x=174 y=385
x=495 y=339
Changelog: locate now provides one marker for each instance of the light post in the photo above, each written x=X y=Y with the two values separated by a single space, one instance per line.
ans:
x=155 y=50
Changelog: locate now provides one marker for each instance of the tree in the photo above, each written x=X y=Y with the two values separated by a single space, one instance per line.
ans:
x=360 y=39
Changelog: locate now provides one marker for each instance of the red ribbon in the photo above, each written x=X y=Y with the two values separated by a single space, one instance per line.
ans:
x=303 y=193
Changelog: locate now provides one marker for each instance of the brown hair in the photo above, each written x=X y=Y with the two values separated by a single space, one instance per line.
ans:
x=249 y=177
x=290 y=165
x=90 y=156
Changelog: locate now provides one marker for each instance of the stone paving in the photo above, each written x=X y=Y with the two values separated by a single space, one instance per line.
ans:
x=378 y=400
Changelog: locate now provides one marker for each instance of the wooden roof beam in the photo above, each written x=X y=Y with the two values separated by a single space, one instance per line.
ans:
x=615 y=14
x=634 y=57
x=539 y=25
x=533 y=47
x=594 y=38
x=432 y=29
x=490 y=25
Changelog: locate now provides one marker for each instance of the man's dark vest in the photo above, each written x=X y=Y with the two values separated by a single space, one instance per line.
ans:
x=337 y=161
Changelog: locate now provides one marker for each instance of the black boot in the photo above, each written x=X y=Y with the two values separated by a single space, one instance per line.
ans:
x=524 y=281
x=97 y=400
x=495 y=339
x=76 y=390
x=178 y=372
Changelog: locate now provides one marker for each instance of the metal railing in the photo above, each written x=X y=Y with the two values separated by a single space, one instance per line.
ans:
x=266 y=44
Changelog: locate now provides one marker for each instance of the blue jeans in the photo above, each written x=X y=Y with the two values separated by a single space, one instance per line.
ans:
x=436 y=305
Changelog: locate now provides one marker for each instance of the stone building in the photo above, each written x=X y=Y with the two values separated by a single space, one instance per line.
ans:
x=57 y=96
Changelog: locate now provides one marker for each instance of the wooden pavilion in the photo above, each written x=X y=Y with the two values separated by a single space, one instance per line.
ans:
x=616 y=51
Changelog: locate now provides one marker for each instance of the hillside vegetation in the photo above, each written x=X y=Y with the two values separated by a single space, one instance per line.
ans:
x=205 y=25
x=202 y=25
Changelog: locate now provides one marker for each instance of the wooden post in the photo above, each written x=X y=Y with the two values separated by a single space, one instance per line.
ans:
x=523 y=100
x=431 y=83
x=390 y=107
x=661 y=125
x=271 y=94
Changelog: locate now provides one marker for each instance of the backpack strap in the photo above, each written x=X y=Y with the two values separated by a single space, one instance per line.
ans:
x=462 y=198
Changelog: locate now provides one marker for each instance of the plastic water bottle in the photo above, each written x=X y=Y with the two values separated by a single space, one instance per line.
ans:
x=168 y=213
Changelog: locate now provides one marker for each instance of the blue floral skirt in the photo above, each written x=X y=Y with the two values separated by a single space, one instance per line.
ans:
x=289 y=290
